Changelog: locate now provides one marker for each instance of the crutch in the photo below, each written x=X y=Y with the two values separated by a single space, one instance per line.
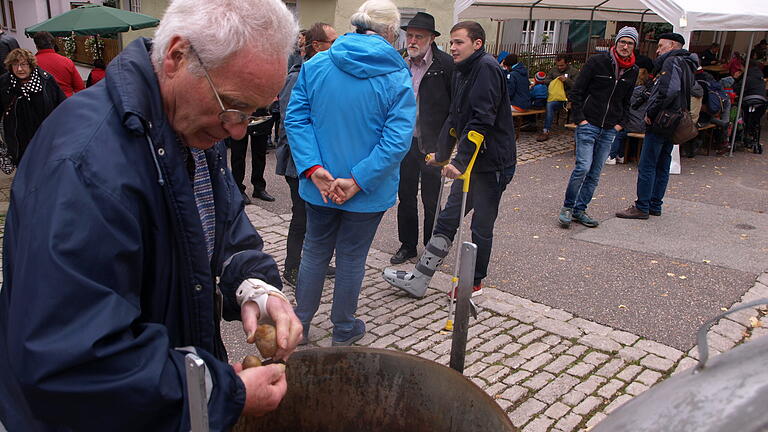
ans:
x=477 y=138
x=427 y=158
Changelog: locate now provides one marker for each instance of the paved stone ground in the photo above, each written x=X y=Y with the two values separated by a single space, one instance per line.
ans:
x=548 y=369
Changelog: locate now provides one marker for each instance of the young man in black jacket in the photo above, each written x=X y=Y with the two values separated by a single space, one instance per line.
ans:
x=480 y=103
x=600 y=101
x=431 y=70
x=671 y=92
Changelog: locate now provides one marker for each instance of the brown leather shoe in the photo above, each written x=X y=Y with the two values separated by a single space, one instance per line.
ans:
x=632 y=213
x=542 y=136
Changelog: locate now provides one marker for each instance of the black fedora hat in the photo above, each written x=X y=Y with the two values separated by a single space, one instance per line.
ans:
x=424 y=21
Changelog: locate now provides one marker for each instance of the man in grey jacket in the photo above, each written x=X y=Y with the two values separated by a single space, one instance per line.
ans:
x=671 y=92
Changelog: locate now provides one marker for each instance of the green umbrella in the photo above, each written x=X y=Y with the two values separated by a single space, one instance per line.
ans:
x=90 y=20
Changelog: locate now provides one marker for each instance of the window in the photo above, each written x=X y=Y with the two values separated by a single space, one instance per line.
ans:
x=135 y=6
x=10 y=12
x=2 y=10
x=528 y=34
x=548 y=35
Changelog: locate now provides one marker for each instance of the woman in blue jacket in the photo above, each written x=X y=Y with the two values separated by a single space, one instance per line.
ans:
x=349 y=121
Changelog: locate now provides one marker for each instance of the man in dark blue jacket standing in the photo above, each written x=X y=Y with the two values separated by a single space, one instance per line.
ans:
x=600 y=101
x=479 y=103
x=671 y=92
x=124 y=255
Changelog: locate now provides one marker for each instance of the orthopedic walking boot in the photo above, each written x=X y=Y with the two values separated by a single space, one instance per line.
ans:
x=416 y=282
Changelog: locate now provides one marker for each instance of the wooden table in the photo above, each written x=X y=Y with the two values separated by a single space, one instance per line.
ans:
x=719 y=70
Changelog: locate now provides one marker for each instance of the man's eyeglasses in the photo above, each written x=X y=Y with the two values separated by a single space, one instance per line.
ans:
x=227 y=116
x=625 y=43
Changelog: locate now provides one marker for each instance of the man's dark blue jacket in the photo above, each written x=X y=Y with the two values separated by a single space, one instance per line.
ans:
x=106 y=272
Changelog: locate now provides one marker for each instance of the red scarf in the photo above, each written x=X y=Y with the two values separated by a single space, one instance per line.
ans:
x=623 y=63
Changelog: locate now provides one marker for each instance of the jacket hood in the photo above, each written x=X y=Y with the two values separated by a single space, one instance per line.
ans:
x=685 y=54
x=365 y=56
x=133 y=86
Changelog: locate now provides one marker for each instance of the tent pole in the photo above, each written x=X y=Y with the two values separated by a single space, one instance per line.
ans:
x=741 y=94
x=642 y=27
x=530 y=22
x=591 y=18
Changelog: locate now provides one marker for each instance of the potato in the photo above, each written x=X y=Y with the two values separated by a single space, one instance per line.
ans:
x=266 y=340
x=250 y=361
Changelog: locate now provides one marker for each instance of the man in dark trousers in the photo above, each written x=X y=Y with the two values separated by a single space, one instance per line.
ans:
x=671 y=92
x=479 y=103
x=431 y=70
x=259 y=134
x=600 y=101
x=318 y=38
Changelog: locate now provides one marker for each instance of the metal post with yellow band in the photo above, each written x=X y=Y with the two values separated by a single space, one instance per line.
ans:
x=477 y=139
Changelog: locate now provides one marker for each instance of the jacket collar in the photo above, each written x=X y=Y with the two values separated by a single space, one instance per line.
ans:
x=465 y=65
x=133 y=86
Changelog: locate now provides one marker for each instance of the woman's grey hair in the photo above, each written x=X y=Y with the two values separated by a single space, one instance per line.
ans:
x=380 y=16
x=219 y=28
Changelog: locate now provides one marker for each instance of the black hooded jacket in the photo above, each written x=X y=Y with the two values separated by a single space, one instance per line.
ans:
x=479 y=102
x=601 y=96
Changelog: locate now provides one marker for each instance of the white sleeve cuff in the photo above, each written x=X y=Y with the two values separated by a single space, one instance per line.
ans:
x=257 y=291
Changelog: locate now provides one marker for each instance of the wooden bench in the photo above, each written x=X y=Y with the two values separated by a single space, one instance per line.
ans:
x=641 y=136
x=519 y=115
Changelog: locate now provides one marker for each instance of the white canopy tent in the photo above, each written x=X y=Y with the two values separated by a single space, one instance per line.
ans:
x=685 y=16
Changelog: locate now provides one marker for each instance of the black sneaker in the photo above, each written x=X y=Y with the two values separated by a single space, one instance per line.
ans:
x=402 y=255
x=583 y=218
x=331 y=272
x=290 y=276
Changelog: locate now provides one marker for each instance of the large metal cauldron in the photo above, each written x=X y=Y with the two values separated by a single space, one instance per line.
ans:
x=358 y=389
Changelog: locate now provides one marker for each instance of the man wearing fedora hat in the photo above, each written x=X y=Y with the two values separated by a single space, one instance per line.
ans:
x=432 y=70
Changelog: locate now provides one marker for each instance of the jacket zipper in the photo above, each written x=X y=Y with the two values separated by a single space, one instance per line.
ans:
x=608 y=106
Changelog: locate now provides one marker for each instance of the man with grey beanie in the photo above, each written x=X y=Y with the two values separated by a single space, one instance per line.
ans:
x=600 y=100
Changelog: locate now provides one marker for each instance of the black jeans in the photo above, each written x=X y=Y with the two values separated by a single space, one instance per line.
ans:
x=298 y=227
x=485 y=189
x=258 y=161
x=412 y=168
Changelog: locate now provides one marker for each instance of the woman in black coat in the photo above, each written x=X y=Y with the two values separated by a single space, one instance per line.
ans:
x=27 y=95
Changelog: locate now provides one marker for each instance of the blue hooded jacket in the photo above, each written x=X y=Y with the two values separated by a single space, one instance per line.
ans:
x=517 y=86
x=352 y=111
x=106 y=273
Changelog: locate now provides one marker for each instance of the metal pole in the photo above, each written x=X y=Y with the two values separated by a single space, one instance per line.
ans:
x=741 y=95
x=591 y=18
x=530 y=23
x=642 y=27
x=464 y=292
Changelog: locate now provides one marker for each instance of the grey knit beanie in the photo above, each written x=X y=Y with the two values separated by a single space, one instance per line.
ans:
x=629 y=32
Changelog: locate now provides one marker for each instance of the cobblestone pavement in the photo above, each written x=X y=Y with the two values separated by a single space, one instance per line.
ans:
x=548 y=369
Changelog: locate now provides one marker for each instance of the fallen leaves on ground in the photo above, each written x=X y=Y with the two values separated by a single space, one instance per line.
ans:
x=754 y=322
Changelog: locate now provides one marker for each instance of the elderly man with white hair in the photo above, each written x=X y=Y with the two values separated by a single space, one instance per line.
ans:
x=126 y=239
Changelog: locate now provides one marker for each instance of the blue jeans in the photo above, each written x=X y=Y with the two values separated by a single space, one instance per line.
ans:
x=485 y=189
x=592 y=147
x=653 y=172
x=350 y=234
x=552 y=108
x=617 y=148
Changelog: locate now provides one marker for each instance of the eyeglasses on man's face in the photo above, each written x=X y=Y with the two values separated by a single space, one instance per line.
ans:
x=227 y=116
x=625 y=43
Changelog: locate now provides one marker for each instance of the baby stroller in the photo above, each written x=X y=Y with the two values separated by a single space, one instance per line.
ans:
x=753 y=109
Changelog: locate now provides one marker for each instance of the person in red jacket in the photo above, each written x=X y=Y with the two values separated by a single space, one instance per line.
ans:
x=97 y=73
x=62 y=68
